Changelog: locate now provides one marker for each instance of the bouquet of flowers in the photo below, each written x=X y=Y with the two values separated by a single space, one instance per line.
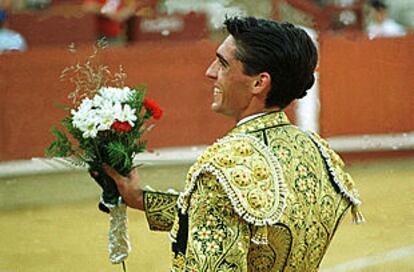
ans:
x=105 y=125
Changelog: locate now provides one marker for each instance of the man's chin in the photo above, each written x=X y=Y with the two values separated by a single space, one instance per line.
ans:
x=220 y=111
x=215 y=108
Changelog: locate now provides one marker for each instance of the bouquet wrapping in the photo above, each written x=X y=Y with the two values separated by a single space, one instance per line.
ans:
x=119 y=246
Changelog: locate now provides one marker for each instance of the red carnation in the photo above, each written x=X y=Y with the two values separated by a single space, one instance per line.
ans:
x=153 y=108
x=121 y=126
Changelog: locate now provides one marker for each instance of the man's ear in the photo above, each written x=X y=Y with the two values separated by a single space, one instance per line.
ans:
x=262 y=83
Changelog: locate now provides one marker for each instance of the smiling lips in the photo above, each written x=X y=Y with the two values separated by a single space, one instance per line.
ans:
x=217 y=91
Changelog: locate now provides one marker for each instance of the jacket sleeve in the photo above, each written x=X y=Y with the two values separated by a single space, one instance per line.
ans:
x=160 y=210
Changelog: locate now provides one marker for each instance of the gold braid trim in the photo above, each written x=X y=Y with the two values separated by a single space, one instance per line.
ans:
x=350 y=193
x=259 y=198
x=160 y=209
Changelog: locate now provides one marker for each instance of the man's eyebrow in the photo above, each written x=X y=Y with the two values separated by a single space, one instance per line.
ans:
x=222 y=59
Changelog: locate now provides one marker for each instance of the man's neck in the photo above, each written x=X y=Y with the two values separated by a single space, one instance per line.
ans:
x=256 y=114
x=250 y=117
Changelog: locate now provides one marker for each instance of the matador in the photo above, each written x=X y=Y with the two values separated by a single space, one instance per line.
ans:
x=267 y=196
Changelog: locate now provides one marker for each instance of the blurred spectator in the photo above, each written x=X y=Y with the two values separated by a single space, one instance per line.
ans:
x=112 y=18
x=37 y=4
x=382 y=25
x=11 y=4
x=10 y=40
x=24 y=4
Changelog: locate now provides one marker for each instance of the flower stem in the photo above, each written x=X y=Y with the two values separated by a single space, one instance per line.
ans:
x=97 y=151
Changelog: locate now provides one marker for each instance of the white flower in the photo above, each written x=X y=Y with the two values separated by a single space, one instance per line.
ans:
x=98 y=101
x=101 y=112
x=127 y=114
x=89 y=124
x=116 y=94
x=125 y=94
x=212 y=247
x=126 y=89
x=204 y=233
x=86 y=119
x=80 y=114
x=90 y=131
x=84 y=107
x=106 y=116
x=107 y=93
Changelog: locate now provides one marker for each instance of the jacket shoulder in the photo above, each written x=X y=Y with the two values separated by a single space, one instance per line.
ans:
x=249 y=174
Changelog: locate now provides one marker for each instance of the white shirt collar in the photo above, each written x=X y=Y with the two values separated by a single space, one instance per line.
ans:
x=250 y=117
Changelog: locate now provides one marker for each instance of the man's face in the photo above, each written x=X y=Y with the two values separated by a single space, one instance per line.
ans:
x=232 y=87
x=379 y=15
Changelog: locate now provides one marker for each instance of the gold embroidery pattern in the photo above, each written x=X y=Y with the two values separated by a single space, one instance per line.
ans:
x=313 y=208
x=261 y=123
x=178 y=262
x=218 y=239
x=250 y=175
x=272 y=256
x=160 y=210
x=335 y=166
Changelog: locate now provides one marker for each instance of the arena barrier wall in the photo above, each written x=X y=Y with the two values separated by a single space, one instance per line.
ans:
x=365 y=89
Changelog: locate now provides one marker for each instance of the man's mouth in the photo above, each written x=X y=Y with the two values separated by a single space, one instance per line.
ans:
x=217 y=91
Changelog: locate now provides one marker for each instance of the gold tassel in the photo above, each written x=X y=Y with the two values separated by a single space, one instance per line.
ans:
x=174 y=230
x=357 y=216
x=260 y=235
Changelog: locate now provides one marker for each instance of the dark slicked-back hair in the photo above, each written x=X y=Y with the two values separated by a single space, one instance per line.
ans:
x=377 y=5
x=284 y=51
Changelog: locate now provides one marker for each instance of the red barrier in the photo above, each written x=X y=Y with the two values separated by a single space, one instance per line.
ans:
x=365 y=86
x=50 y=30
x=174 y=73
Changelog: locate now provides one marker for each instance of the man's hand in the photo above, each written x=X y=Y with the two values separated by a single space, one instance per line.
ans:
x=110 y=194
x=128 y=187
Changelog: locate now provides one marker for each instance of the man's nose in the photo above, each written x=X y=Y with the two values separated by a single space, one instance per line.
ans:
x=211 y=71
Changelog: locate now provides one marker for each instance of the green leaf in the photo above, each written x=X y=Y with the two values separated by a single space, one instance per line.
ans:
x=140 y=147
x=138 y=97
x=120 y=157
x=61 y=106
x=61 y=147
x=76 y=133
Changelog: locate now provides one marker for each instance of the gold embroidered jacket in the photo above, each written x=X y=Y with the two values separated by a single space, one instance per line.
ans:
x=267 y=197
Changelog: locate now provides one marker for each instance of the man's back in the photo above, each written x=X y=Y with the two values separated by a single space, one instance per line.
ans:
x=314 y=206
x=263 y=199
x=314 y=203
